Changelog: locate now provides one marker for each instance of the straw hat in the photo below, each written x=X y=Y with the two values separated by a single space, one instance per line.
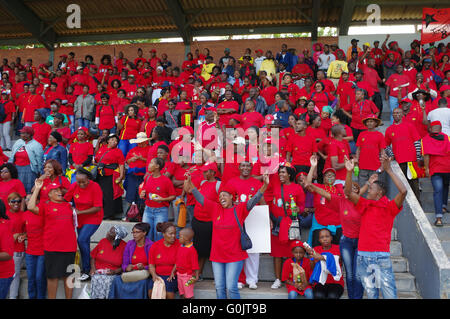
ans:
x=140 y=138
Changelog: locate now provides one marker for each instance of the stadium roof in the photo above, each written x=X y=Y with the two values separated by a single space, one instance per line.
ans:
x=44 y=21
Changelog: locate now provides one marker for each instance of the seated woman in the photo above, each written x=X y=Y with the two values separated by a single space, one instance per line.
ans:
x=106 y=261
x=162 y=259
x=55 y=151
x=81 y=154
x=135 y=257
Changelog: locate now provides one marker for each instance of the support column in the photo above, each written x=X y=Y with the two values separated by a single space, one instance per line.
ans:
x=51 y=57
x=187 y=49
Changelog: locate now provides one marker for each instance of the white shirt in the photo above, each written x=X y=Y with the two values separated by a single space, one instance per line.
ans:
x=441 y=114
x=257 y=63
x=324 y=60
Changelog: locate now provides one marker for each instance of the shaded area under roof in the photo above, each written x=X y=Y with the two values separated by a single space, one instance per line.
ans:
x=44 y=21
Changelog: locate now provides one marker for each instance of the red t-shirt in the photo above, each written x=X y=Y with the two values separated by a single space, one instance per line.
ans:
x=163 y=257
x=402 y=137
x=339 y=149
x=252 y=119
x=11 y=186
x=226 y=236
x=131 y=127
x=321 y=99
x=106 y=115
x=34 y=227
x=291 y=191
x=225 y=118
x=41 y=133
x=301 y=149
x=143 y=151
x=187 y=260
x=371 y=77
x=59 y=230
x=350 y=216
x=81 y=151
x=208 y=190
x=243 y=189
x=139 y=256
x=346 y=94
x=161 y=186
x=376 y=223
x=335 y=251
x=360 y=111
x=324 y=214
x=85 y=198
x=371 y=144
x=18 y=227
x=114 y=156
x=396 y=80
x=106 y=257
x=6 y=246
x=21 y=157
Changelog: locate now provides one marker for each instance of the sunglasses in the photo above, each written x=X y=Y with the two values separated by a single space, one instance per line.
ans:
x=15 y=201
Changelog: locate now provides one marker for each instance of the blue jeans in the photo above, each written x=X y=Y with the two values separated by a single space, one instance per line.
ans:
x=5 y=283
x=374 y=270
x=440 y=182
x=153 y=216
x=125 y=146
x=226 y=277
x=72 y=123
x=349 y=251
x=84 y=122
x=309 y=294
x=37 y=281
x=84 y=240
x=393 y=103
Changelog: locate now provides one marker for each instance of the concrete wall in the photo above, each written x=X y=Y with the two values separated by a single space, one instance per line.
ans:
x=175 y=51
x=427 y=259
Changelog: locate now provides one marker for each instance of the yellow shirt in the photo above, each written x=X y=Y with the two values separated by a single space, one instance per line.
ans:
x=268 y=66
x=207 y=70
x=335 y=69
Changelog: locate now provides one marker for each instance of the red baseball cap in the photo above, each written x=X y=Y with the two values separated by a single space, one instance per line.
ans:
x=296 y=243
x=268 y=119
x=434 y=123
x=329 y=169
x=444 y=88
x=63 y=56
x=153 y=50
x=226 y=188
x=53 y=186
x=259 y=50
x=27 y=129
x=209 y=165
x=406 y=100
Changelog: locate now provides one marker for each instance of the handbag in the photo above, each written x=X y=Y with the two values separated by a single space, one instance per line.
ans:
x=414 y=171
x=133 y=213
x=181 y=212
x=294 y=232
x=97 y=166
x=246 y=242
x=135 y=275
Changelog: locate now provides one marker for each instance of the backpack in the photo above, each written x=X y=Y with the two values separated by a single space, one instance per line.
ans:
x=2 y=112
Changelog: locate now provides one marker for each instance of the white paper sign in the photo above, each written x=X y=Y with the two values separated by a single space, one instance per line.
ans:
x=257 y=226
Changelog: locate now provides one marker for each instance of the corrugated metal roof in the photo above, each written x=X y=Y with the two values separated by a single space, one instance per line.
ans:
x=130 y=16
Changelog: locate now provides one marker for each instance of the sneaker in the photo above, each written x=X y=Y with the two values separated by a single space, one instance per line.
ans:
x=240 y=285
x=276 y=284
x=253 y=286
x=84 y=277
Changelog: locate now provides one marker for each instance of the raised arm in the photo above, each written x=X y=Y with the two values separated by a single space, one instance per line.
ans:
x=32 y=207
x=402 y=191
x=255 y=200
x=349 y=166
x=313 y=161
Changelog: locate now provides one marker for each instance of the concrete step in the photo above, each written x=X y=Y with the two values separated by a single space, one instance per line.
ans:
x=396 y=249
x=205 y=290
x=432 y=217
x=446 y=247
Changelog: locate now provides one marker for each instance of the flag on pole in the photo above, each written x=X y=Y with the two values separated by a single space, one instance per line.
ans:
x=435 y=24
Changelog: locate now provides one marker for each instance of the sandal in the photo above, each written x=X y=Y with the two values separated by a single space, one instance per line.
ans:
x=438 y=222
x=444 y=210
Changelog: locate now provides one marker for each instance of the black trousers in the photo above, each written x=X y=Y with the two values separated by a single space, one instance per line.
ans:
x=378 y=101
x=328 y=291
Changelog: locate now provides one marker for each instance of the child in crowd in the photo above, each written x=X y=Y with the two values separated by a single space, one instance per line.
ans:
x=296 y=272
x=186 y=265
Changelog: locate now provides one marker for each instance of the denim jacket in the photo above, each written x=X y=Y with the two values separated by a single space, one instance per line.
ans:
x=58 y=153
x=35 y=153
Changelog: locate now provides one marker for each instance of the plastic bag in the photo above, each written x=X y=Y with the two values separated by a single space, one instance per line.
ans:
x=159 y=289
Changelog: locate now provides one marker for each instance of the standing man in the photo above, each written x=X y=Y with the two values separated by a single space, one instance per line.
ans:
x=377 y=217
x=284 y=56
x=324 y=60
x=396 y=88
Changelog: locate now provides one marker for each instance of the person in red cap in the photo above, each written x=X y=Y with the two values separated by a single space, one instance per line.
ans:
x=403 y=144
x=413 y=114
x=60 y=241
x=297 y=281
x=396 y=88
x=370 y=147
x=227 y=255
x=436 y=153
x=154 y=60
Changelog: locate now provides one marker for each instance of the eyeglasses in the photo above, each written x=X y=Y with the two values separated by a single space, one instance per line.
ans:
x=4 y=171
x=14 y=201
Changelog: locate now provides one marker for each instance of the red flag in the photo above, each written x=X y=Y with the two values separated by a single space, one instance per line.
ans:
x=435 y=24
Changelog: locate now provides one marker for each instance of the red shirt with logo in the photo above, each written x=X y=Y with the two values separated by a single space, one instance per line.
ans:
x=163 y=257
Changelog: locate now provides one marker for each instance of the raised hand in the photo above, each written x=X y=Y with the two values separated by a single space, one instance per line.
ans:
x=349 y=164
x=313 y=160
x=373 y=178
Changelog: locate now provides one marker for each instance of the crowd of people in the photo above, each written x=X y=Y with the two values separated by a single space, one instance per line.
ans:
x=206 y=142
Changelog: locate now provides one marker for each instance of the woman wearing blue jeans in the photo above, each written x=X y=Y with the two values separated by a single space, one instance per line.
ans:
x=6 y=252
x=158 y=192
x=227 y=255
x=88 y=203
